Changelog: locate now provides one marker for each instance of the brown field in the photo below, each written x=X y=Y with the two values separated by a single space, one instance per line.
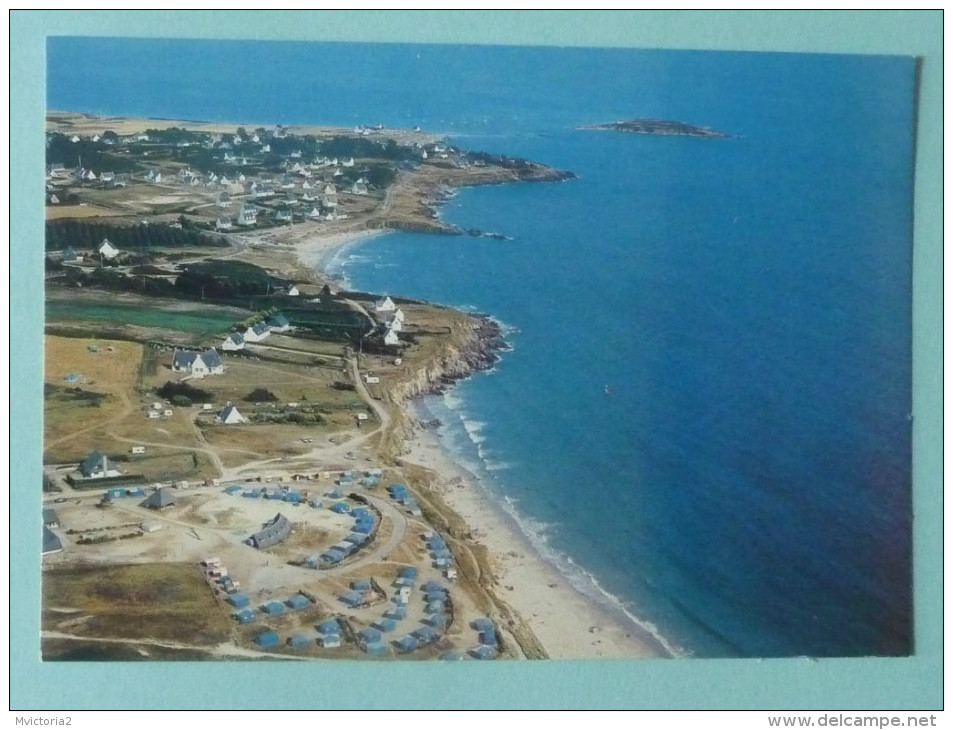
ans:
x=237 y=445
x=168 y=601
x=110 y=373
x=79 y=211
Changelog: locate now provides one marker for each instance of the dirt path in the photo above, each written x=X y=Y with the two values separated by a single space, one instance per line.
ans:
x=127 y=408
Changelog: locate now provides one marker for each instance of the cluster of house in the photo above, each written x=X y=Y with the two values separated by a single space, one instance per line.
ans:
x=259 y=330
x=391 y=319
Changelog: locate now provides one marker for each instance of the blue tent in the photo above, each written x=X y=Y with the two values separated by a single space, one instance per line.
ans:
x=357 y=538
x=334 y=555
x=360 y=512
x=483 y=624
x=352 y=598
x=401 y=582
x=425 y=634
x=369 y=635
x=488 y=637
x=245 y=616
x=333 y=494
x=375 y=647
x=252 y=493
x=437 y=620
x=406 y=643
x=273 y=608
x=451 y=656
x=431 y=596
x=292 y=497
x=408 y=572
x=362 y=527
x=385 y=624
x=238 y=600
x=362 y=584
x=432 y=586
x=329 y=627
x=233 y=489
x=435 y=607
x=483 y=652
x=340 y=508
x=298 y=602
x=397 y=613
x=267 y=638
x=298 y=641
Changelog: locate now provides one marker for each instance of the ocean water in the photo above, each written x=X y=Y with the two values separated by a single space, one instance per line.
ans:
x=705 y=414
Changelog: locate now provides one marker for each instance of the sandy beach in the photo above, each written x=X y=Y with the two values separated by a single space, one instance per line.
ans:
x=567 y=623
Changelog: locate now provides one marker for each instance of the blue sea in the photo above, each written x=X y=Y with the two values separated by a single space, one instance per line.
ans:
x=705 y=414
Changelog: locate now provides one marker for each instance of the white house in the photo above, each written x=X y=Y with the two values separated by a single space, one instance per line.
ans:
x=230 y=416
x=391 y=338
x=197 y=364
x=293 y=291
x=257 y=332
x=234 y=342
x=392 y=322
x=385 y=305
x=360 y=187
x=223 y=223
x=247 y=216
x=107 y=250
x=279 y=323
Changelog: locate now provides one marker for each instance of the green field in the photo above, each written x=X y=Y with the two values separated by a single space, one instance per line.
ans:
x=202 y=321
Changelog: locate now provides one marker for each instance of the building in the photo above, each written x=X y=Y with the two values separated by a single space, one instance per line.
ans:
x=159 y=499
x=279 y=323
x=234 y=342
x=391 y=338
x=107 y=250
x=230 y=416
x=257 y=332
x=248 y=215
x=293 y=291
x=385 y=305
x=51 y=542
x=50 y=518
x=97 y=466
x=197 y=364
x=274 y=532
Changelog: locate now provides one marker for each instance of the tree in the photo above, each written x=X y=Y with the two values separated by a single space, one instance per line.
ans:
x=183 y=401
x=261 y=395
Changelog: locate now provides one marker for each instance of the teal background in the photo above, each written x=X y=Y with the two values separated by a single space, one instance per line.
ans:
x=830 y=684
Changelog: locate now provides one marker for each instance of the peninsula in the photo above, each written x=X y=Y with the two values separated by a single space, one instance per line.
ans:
x=662 y=127
x=231 y=469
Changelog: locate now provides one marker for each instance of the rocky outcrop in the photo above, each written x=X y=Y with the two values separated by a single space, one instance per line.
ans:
x=478 y=350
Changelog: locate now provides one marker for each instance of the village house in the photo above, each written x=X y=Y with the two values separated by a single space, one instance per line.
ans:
x=234 y=342
x=223 y=223
x=279 y=323
x=385 y=305
x=257 y=332
x=247 y=216
x=293 y=291
x=391 y=338
x=97 y=466
x=230 y=416
x=197 y=364
x=107 y=250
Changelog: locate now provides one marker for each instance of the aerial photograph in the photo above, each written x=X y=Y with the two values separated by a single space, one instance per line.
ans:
x=409 y=352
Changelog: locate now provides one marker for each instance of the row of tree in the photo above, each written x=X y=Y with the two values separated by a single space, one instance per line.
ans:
x=81 y=233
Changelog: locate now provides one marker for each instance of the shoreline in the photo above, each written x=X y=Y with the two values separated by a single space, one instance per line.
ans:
x=567 y=622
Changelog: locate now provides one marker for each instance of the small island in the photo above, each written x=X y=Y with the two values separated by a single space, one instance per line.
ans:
x=659 y=127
